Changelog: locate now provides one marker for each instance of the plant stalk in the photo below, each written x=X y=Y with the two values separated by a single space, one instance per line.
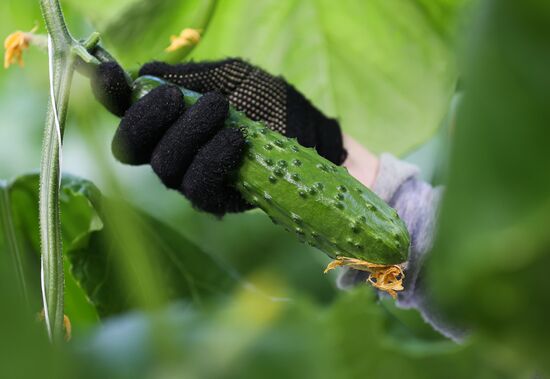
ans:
x=55 y=24
x=50 y=223
x=63 y=51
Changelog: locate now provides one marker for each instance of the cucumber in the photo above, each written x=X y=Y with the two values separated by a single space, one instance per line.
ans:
x=308 y=195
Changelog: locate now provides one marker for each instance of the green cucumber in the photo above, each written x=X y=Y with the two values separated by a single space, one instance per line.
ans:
x=305 y=193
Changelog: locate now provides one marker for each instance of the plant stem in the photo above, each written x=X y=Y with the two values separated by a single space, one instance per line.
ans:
x=50 y=223
x=63 y=52
x=55 y=24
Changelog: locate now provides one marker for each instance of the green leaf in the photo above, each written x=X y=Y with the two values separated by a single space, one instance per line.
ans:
x=383 y=67
x=94 y=285
x=79 y=220
x=490 y=262
x=100 y=12
x=188 y=272
x=142 y=31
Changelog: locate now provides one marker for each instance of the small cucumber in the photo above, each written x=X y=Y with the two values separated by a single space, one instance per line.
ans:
x=308 y=195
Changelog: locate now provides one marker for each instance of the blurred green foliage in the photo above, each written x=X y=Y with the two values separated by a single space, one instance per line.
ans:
x=94 y=287
x=493 y=249
x=297 y=339
x=252 y=300
x=385 y=68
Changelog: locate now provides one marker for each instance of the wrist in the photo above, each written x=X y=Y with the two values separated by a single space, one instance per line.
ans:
x=360 y=162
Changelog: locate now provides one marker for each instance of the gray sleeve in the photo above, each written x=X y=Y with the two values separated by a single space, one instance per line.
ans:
x=417 y=203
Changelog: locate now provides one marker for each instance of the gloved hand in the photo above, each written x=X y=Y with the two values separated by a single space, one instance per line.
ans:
x=189 y=149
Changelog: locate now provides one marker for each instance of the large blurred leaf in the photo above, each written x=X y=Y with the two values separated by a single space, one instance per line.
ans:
x=136 y=31
x=383 y=67
x=100 y=12
x=20 y=227
x=489 y=267
x=188 y=272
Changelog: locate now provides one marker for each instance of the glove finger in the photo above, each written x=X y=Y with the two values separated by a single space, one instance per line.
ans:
x=175 y=151
x=207 y=182
x=110 y=87
x=144 y=124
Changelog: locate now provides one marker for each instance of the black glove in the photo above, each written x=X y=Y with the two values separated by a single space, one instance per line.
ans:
x=189 y=149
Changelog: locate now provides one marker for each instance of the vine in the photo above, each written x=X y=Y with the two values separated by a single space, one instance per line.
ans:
x=63 y=51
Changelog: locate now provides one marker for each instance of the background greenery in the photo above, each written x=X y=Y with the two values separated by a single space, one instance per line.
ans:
x=156 y=289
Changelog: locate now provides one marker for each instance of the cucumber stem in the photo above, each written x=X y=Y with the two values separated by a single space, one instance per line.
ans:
x=63 y=52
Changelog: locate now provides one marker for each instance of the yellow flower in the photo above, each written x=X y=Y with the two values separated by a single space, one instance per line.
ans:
x=14 y=44
x=187 y=37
